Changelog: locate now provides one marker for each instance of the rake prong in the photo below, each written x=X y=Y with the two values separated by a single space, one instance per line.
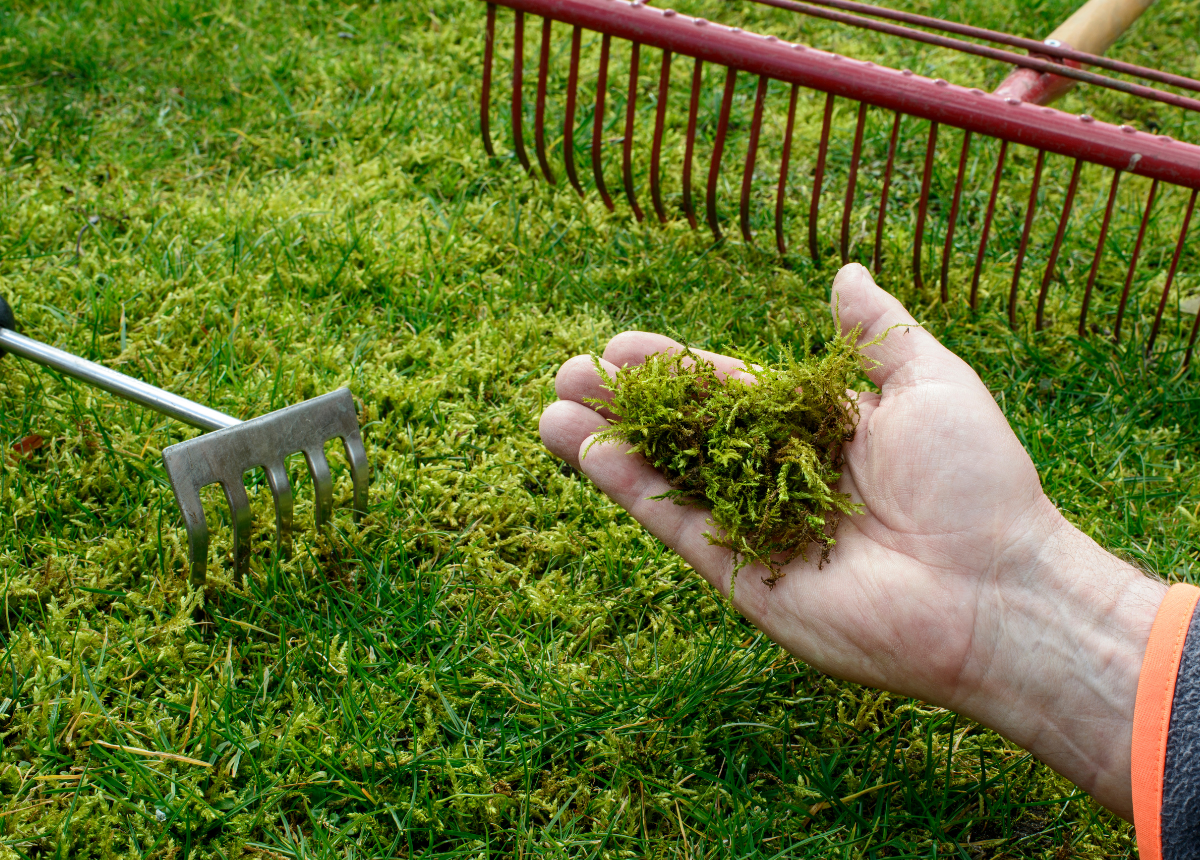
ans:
x=689 y=207
x=784 y=161
x=1162 y=302
x=852 y=180
x=1108 y=210
x=752 y=156
x=356 y=456
x=485 y=98
x=1048 y=276
x=958 y=187
x=660 y=121
x=987 y=223
x=239 y=505
x=1030 y=209
x=598 y=122
x=635 y=56
x=877 y=262
x=818 y=179
x=281 y=491
x=714 y=169
x=923 y=206
x=539 y=115
x=187 y=497
x=318 y=467
x=1133 y=261
x=569 y=120
x=518 y=76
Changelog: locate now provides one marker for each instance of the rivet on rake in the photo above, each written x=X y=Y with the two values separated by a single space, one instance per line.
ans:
x=798 y=47
x=1128 y=129
x=669 y=13
x=975 y=91
x=942 y=82
x=700 y=22
x=1011 y=101
x=772 y=38
x=1087 y=118
x=906 y=72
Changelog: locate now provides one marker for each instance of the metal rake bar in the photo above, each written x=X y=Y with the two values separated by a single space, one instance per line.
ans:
x=1081 y=138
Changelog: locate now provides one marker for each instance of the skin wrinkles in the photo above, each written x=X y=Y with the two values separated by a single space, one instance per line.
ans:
x=961 y=585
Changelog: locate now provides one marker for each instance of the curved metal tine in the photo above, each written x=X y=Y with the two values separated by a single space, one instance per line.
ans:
x=187 y=496
x=923 y=206
x=877 y=261
x=318 y=467
x=1137 y=252
x=714 y=169
x=948 y=247
x=689 y=207
x=1087 y=293
x=1030 y=209
x=356 y=456
x=485 y=97
x=281 y=491
x=635 y=57
x=818 y=179
x=660 y=121
x=987 y=223
x=569 y=120
x=1162 y=302
x=539 y=116
x=848 y=206
x=752 y=156
x=598 y=122
x=518 y=76
x=1187 y=357
x=1063 y=219
x=239 y=504
x=784 y=163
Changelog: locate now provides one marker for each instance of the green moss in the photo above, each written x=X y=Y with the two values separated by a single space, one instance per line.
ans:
x=763 y=455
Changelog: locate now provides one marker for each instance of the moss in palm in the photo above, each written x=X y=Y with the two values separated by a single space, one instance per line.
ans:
x=763 y=455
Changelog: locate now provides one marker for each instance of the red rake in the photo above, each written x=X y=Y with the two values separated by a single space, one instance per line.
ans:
x=1014 y=114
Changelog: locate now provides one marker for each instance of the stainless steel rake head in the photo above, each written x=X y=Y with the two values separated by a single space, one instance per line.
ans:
x=225 y=455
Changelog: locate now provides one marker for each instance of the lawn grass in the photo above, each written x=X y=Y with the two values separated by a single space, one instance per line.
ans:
x=254 y=203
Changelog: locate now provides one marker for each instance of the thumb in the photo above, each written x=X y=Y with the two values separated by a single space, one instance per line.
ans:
x=858 y=300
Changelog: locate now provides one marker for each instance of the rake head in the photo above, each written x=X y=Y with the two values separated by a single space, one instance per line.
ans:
x=985 y=131
x=224 y=456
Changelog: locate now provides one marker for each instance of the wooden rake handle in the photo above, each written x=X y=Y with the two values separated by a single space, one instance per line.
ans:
x=1093 y=28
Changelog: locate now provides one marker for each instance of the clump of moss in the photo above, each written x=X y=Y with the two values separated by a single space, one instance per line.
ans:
x=764 y=456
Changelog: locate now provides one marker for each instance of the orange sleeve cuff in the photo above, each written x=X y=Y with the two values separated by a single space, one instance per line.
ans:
x=1152 y=714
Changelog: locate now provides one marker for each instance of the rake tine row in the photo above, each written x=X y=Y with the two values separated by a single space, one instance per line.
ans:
x=866 y=86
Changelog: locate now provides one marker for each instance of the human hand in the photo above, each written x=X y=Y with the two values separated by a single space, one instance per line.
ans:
x=960 y=584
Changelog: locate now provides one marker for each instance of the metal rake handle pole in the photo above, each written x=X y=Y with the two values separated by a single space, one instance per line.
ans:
x=142 y=393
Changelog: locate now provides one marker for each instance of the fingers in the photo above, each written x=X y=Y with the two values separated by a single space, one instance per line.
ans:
x=565 y=425
x=630 y=482
x=578 y=380
x=858 y=301
x=633 y=347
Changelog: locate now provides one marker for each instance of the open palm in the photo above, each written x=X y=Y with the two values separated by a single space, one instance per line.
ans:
x=934 y=591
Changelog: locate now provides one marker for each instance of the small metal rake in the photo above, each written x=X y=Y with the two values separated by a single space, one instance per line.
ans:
x=1015 y=115
x=232 y=449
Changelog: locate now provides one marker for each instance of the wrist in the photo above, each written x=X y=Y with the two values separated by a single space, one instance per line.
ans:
x=1075 y=621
